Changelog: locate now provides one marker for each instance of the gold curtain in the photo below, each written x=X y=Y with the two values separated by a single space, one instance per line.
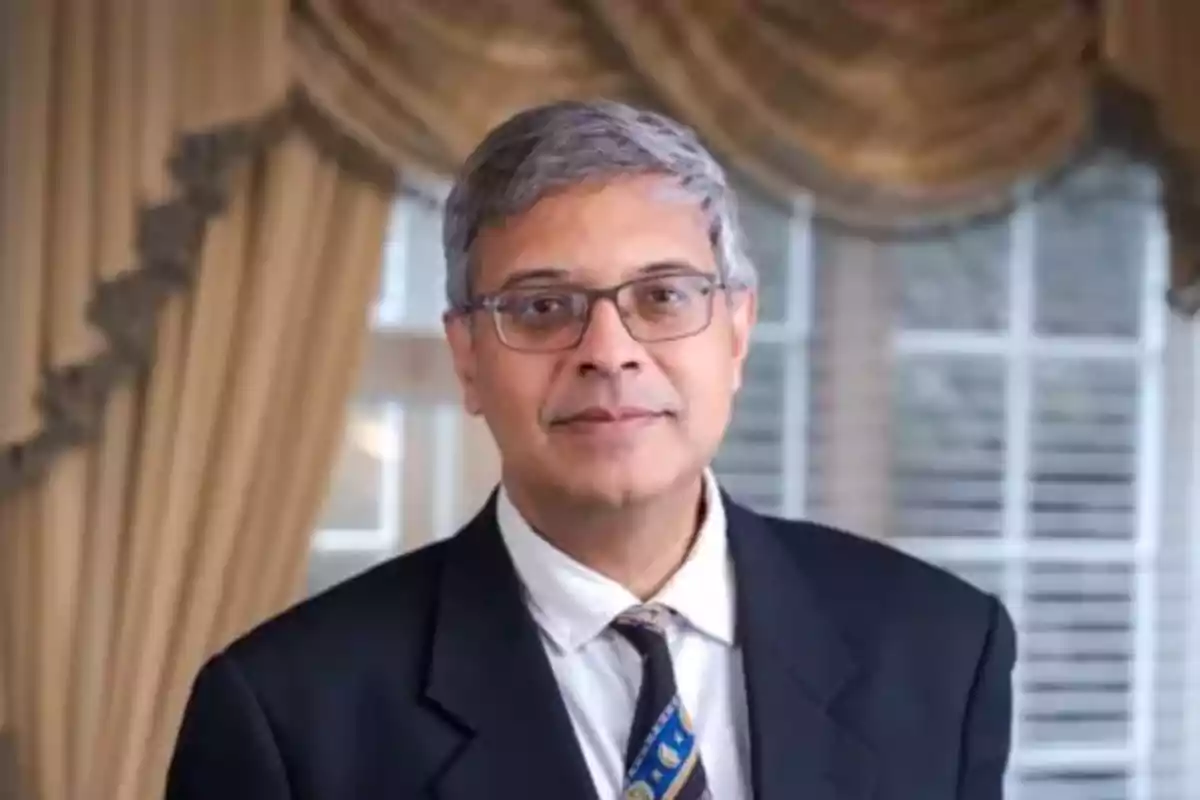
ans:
x=189 y=253
x=1151 y=45
x=423 y=82
x=253 y=377
x=888 y=112
x=894 y=115
x=879 y=108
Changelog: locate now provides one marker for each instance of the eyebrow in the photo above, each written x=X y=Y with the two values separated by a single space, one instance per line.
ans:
x=669 y=267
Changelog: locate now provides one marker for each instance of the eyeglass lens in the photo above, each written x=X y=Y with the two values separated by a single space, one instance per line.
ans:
x=657 y=308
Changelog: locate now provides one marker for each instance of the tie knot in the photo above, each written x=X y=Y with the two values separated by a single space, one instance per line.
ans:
x=645 y=627
x=653 y=616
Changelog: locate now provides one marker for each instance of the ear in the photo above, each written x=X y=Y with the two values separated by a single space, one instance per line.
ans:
x=743 y=314
x=461 y=339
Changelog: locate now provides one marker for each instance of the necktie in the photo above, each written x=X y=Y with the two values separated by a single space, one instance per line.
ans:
x=662 y=761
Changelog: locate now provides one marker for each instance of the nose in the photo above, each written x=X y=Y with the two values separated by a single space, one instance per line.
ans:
x=606 y=347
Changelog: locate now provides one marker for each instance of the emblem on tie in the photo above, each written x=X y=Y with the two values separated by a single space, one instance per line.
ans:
x=667 y=756
x=639 y=791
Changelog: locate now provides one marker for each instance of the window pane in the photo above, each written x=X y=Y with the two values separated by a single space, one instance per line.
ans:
x=767 y=229
x=1084 y=460
x=389 y=309
x=390 y=302
x=425 y=282
x=1077 y=651
x=953 y=282
x=948 y=446
x=1090 y=246
x=750 y=462
x=355 y=499
x=412 y=292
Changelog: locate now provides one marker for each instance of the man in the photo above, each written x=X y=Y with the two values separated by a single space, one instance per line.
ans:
x=611 y=624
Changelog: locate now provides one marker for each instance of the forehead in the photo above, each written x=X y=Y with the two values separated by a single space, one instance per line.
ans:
x=598 y=233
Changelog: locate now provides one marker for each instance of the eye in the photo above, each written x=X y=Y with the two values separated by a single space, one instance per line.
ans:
x=545 y=304
x=665 y=294
x=539 y=308
x=668 y=294
x=549 y=304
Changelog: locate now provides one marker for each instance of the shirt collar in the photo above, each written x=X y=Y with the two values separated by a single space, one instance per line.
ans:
x=573 y=603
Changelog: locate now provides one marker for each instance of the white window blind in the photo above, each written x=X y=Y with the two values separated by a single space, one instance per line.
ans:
x=992 y=400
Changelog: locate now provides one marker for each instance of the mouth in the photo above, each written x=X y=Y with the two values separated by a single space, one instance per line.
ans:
x=610 y=418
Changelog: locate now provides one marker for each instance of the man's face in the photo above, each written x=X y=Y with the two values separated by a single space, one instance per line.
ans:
x=611 y=420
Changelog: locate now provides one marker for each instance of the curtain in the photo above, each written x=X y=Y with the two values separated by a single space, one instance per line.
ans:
x=888 y=112
x=884 y=110
x=253 y=378
x=897 y=117
x=1151 y=46
x=189 y=253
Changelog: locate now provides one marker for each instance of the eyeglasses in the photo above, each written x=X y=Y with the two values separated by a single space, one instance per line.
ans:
x=654 y=308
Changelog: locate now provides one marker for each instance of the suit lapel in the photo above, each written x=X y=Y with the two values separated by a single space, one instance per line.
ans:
x=489 y=673
x=796 y=667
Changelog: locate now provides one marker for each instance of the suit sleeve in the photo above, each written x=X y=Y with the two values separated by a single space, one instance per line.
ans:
x=987 y=727
x=225 y=746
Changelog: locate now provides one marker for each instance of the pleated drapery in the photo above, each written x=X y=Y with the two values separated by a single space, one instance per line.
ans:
x=893 y=116
x=187 y=269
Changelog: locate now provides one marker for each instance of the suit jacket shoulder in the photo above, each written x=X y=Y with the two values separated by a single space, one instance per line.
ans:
x=865 y=577
x=908 y=623
x=389 y=605
x=423 y=677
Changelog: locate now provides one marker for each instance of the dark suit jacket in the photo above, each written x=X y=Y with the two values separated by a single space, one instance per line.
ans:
x=869 y=675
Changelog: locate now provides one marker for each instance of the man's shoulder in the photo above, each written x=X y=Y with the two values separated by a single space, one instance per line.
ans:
x=872 y=585
x=386 y=607
x=866 y=559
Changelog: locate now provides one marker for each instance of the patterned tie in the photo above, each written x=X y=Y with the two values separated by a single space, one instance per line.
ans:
x=662 y=761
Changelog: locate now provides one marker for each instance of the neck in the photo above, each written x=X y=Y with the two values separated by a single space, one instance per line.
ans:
x=639 y=545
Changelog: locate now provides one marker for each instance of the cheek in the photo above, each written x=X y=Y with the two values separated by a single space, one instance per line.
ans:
x=511 y=391
x=707 y=387
x=715 y=401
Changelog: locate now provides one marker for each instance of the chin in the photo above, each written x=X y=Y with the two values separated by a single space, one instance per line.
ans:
x=617 y=485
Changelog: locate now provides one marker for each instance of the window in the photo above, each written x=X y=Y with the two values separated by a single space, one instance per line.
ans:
x=413 y=467
x=1027 y=444
x=995 y=401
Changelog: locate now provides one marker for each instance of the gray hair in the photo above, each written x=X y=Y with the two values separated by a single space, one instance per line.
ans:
x=551 y=147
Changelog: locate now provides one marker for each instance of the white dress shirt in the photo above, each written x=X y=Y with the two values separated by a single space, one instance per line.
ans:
x=598 y=671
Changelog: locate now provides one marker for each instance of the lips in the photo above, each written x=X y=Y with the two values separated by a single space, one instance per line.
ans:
x=599 y=416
